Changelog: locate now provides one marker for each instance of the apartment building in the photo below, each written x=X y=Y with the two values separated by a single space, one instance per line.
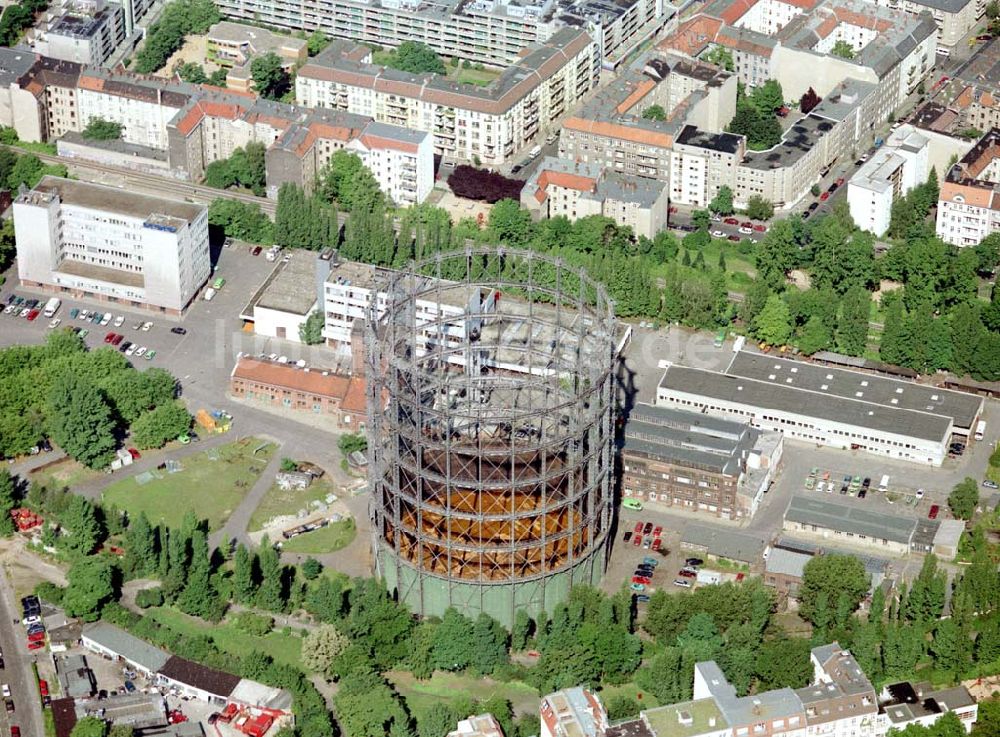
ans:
x=891 y=172
x=492 y=32
x=840 y=702
x=700 y=464
x=401 y=159
x=479 y=725
x=702 y=163
x=104 y=243
x=573 y=712
x=969 y=202
x=575 y=190
x=234 y=45
x=827 y=406
x=86 y=33
x=954 y=18
x=490 y=123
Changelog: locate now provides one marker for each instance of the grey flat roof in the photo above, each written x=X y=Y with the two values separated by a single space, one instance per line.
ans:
x=292 y=286
x=852 y=519
x=891 y=393
x=112 y=199
x=786 y=562
x=795 y=143
x=396 y=133
x=126 y=645
x=692 y=421
x=737 y=710
x=688 y=457
x=797 y=400
x=724 y=543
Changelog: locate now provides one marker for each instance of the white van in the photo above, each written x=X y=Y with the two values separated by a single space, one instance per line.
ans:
x=209 y=293
x=52 y=307
x=942 y=51
x=883 y=485
x=534 y=152
x=980 y=429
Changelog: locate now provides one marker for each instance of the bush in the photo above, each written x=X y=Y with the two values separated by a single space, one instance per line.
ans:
x=149 y=597
x=49 y=592
x=477 y=184
x=254 y=624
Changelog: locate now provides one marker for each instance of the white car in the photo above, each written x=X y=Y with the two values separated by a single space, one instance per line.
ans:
x=8 y=309
x=137 y=326
x=84 y=315
x=25 y=311
x=682 y=582
x=718 y=234
x=54 y=324
x=140 y=351
x=920 y=493
x=6 y=691
x=746 y=231
x=146 y=326
x=106 y=320
x=131 y=349
x=119 y=321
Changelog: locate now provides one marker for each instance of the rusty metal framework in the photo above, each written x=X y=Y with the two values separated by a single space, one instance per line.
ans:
x=489 y=375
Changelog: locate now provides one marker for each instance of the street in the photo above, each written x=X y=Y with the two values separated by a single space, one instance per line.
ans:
x=18 y=673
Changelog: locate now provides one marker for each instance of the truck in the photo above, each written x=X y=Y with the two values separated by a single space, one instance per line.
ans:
x=883 y=485
x=214 y=421
x=980 y=429
x=534 y=152
x=52 y=307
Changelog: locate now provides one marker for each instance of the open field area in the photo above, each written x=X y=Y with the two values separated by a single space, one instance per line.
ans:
x=279 y=503
x=65 y=473
x=335 y=536
x=211 y=485
x=442 y=686
x=283 y=648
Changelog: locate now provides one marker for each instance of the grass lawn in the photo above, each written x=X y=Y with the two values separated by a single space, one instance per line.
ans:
x=442 y=686
x=283 y=648
x=211 y=489
x=277 y=502
x=645 y=698
x=334 y=536
x=66 y=473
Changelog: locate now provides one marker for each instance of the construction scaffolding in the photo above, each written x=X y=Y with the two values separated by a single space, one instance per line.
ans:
x=490 y=431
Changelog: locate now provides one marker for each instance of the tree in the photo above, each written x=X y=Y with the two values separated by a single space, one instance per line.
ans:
x=417 y=58
x=199 y=596
x=348 y=182
x=521 y=631
x=843 y=49
x=654 y=112
x=720 y=56
x=774 y=323
x=833 y=575
x=311 y=331
x=271 y=593
x=90 y=588
x=510 y=223
x=99 y=129
x=776 y=255
x=762 y=130
x=723 y=202
x=352 y=443
x=81 y=528
x=784 y=663
x=121 y=730
x=7 y=502
x=131 y=393
x=852 y=322
x=759 y=208
x=437 y=719
x=90 y=727
x=768 y=97
x=621 y=707
x=244 y=586
x=925 y=600
x=321 y=646
x=241 y=220
x=815 y=336
x=269 y=76
x=80 y=420
x=809 y=100
x=964 y=498
x=454 y=641
x=476 y=184
x=311 y=569
x=489 y=641
x=156 y=427
x=966 y=329
x=316 y=42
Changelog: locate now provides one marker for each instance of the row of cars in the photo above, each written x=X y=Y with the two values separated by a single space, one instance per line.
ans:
x=850 y=485
x=18 y=306
x=645 y=535
x=129 y=348
x=688 y=572
x=825 y=196
x=642 y=577
x=32 y=621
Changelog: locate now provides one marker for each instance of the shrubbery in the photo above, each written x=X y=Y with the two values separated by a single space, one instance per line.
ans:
x=479 y=184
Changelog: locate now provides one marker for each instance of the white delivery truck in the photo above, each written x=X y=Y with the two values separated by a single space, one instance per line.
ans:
x=52 y=307
x=980 y=429
x=883 y=485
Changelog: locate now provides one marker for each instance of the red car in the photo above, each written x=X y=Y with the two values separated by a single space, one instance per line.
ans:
x=658 y=530
x=746 y=224
x=36 y=644
x=33 y=314
x=731 y=221
x=36 y=637
x=134 y=453
x=657 y=542
x=644 y=580
x=638 y=528
x=117 y=339
x=740 y=577
x=734 y=238
x=760 y=228
x=43 y=687
x=687 y=574
x=256 y=251
x=637 y=540
x=824 y=197
x=839 y=182
x=15 y=731
x=933 y=513
x=109 y=337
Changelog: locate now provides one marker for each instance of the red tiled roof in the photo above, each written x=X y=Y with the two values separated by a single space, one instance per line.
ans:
x=976 y=196
x=292 y=378
x=616 y=130
x=379 y=142
x=356 y=400
x=640 y=91
x=566 y=181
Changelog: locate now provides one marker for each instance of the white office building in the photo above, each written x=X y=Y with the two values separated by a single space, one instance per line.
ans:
x=827 y=406
x=892 y=171
x=401 y=159
x=112 y=245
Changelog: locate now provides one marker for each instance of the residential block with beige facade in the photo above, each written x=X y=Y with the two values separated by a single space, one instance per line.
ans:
x=234 y=45
x=969 y=201
x=575 y=190
x=488 y=123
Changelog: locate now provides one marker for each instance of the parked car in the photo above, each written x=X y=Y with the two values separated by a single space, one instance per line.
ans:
x=637 y=540
x=648 y=528
x=256 y=251
x=640 y=579
x=125 y=346
x=627 y=536
x=638 y=528
x=731 y=221
x=694 y=562
x=178 y=331
x=32 y=314
x=990 y=483
x=6 y=690
x=657 y=543
x=641 y=599
x=146 y=326
x=933 y=512
x=136 y=455
x=760 y=228
x=109 y=337
x=638 y=587
x=684 y=572
x=9 y=704
x=36 y=637
x=119 y=321
x=683 y=583
x=118 y=340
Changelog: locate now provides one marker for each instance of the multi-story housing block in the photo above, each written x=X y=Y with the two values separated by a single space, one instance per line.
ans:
x=969 y=202
x=104 y=243
x=84 y=32
x=892 y=171
x=490 y=123
x=573 y=712
x=840 y=702
x=401 y=159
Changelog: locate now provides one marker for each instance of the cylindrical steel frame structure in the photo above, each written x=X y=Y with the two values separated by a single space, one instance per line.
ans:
x=490 y=402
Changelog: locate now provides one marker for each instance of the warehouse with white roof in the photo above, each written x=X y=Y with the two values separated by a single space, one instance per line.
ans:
x=828 y=406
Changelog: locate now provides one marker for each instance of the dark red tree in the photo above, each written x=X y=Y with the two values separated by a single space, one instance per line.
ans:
x=809 y=100
x=479 y=184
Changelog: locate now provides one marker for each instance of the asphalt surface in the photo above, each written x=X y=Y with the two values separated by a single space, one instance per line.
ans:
x=18 y=673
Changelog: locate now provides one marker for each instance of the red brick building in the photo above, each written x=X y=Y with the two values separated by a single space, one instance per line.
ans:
x=302 y=389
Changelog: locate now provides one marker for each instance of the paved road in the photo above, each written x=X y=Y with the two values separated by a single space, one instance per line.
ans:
x=18 y=673
x=236 y=525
